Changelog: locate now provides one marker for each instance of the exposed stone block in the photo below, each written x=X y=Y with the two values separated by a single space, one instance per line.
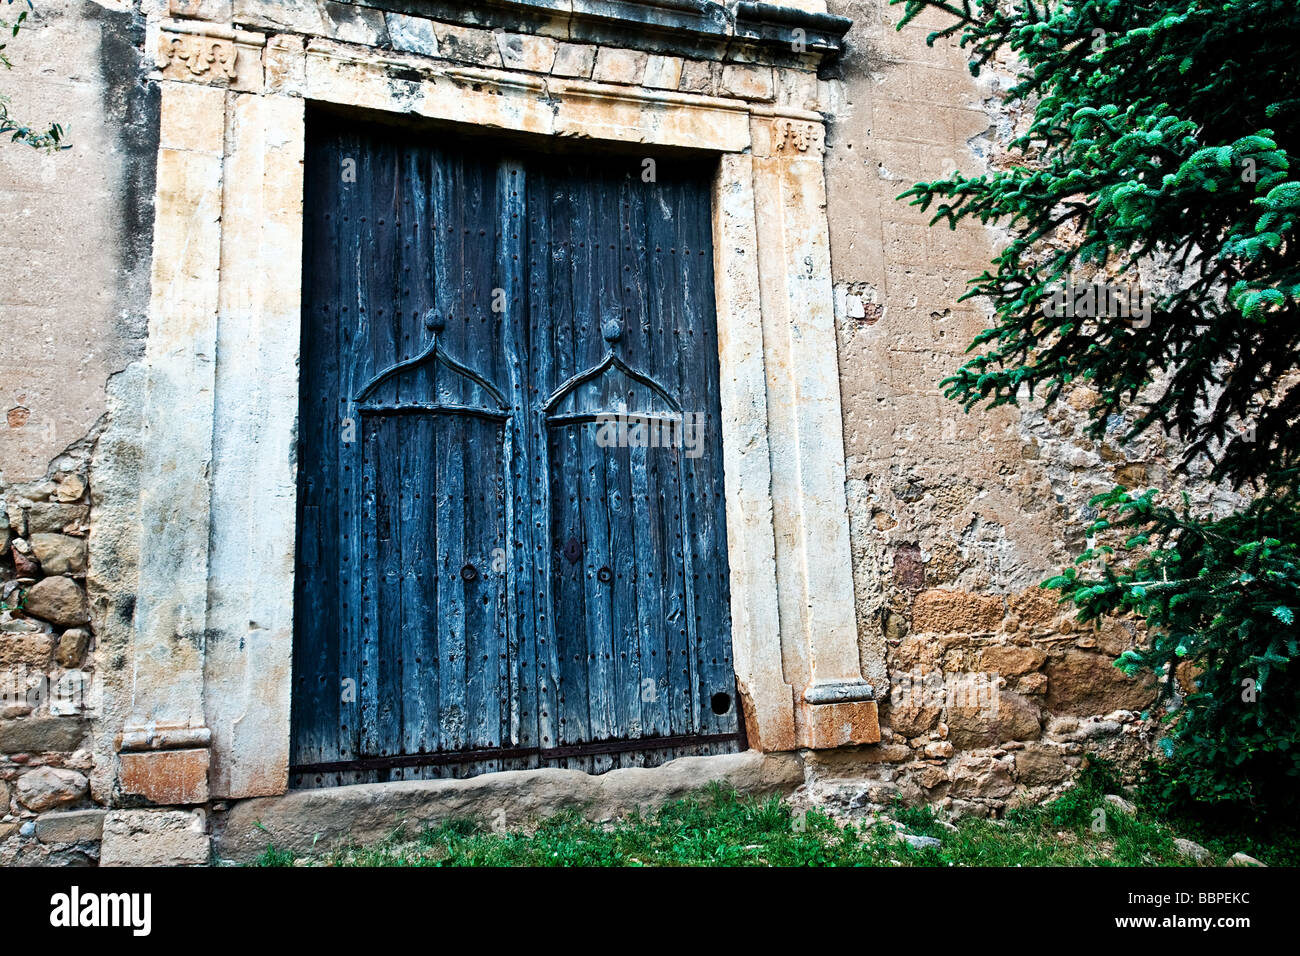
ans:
x=912 y=719
x=977 y=725
x=1035 y=683
x=48 y=787
x=285 y=64
x=574 y=59
x=70 y=826
x=467 y=45
x=167 y=776
x=59 y=600
x=747 y=82
x=978 y=776
x=521 y=51
x=321 y=819
x=1082 y=683
x=1191 y=850
x=1012 y=661
x=620 y=66
x=699 y=76
x=929 y=776
x=59 y=553
x=1034 y=608
x=213 y=10
x=55 y=517
x=356 y=24
x=663 y=72
x=943 y=611
x=31 y=649
x=153 y=838
x=41 y=735
x=71 y=647
x=300 y=16
x=1040 y=764
x=412 y=34
x=840 y=724
x=797 y=88
x=916 y=652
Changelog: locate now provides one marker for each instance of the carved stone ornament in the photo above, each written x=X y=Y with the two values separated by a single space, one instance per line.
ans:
x=796 y=135
x=196 y=54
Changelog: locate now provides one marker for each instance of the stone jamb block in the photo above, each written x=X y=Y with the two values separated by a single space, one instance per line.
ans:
x=167 y=777
x=843 y=724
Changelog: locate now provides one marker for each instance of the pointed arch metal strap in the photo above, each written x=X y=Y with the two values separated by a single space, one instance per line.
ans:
x=435 y=353
x=610 y=361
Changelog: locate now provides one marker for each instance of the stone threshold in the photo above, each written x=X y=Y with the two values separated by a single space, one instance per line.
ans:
x=321 y=820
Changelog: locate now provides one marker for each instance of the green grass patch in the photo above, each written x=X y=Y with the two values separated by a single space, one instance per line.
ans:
x=719 y=827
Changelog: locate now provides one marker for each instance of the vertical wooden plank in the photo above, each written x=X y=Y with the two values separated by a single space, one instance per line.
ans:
x=516 y=261
x=703 y=503
x=665 y=279
x=453 y=706
x=419 y=676
x=574 y=724
x=603 y=303
x=316 y=693
x=539 y=533
x=381 y=641
x=479 y=454
x=651 y=676
x=624 y=624
x=356 y=502
x=385 y=648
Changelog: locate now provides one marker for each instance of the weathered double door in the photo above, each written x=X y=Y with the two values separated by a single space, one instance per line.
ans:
x=511 y=546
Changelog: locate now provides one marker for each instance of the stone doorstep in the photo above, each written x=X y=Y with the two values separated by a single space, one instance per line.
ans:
x=303 y=820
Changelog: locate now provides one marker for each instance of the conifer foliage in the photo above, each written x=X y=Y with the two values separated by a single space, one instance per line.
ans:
x=1159 y=153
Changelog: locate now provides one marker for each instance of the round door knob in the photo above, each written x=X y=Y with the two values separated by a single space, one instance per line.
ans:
x=604 y=575
x=469 y=572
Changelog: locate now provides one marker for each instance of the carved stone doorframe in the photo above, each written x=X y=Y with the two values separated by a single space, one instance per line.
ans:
x=209 y=692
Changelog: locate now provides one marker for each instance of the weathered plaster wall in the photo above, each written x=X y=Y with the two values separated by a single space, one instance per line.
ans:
x=70 y=274
x=955 y=517
x=73 y=289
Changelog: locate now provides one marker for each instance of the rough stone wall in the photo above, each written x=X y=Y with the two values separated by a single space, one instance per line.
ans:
x=73 y=292
x=955 y=518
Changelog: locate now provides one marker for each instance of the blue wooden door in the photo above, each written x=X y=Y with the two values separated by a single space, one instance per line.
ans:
x=511 y=546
